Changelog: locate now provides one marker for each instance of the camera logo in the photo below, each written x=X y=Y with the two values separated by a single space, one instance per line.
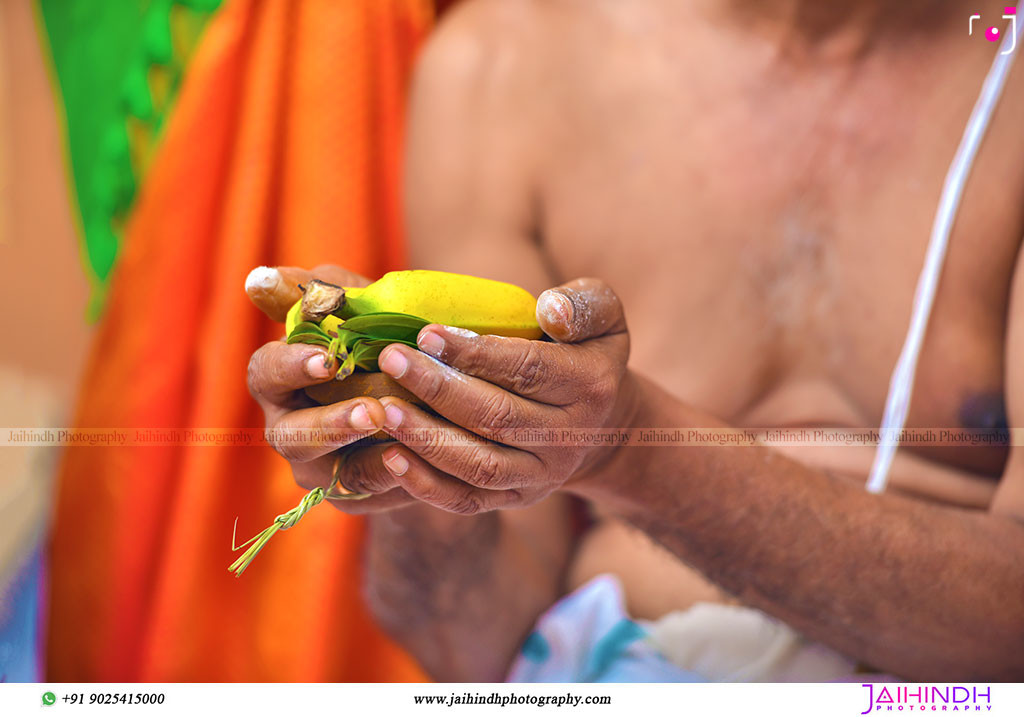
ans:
x=993 y=34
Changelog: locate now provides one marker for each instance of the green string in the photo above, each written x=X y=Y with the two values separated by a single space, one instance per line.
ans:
x=287 y=520
x=281 y=522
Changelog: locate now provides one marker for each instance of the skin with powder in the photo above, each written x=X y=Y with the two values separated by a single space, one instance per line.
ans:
x=753 y=183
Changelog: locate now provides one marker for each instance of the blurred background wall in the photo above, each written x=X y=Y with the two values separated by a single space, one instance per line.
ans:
x=43 y=284
x=152 y=152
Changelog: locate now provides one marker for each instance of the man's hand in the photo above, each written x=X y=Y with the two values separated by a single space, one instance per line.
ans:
x=305 y=433
x=498 y=388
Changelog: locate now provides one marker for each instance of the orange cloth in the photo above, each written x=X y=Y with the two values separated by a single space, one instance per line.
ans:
x=283 y=149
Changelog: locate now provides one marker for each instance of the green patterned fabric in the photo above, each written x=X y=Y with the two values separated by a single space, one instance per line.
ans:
x=118 y=65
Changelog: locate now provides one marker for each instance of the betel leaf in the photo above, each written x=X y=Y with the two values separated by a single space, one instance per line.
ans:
x=386 y=316
x=357 y=342
x=307 y=327
x=380 y=344
x=365 y=352
x=307 y=332
x=310 y=338
x=348 y=338
x=365 y=356
x=382 y=325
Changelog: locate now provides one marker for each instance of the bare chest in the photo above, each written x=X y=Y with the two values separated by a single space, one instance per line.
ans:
x=767 y=242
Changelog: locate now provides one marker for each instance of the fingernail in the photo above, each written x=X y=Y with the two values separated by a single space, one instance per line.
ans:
x=317 y=366
x=461 y=332
x=554 y=308
x=392 y=417
x=396 y=463
x=431 y=343
x=360 y=419
x=394 y=363
x=262 y=277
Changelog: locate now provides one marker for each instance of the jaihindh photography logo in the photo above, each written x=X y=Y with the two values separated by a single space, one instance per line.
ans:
x=921 y=698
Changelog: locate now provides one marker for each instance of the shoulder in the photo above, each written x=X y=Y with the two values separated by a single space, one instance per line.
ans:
x=483 y=50
x=475 y=29
x=477 y=108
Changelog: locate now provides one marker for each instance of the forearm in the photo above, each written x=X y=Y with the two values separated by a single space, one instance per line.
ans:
x=459 y=592
x=920 y=590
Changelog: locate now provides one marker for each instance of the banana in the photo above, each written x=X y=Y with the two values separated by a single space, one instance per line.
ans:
x=393 y=309
x=293 y=319
x=469 y=302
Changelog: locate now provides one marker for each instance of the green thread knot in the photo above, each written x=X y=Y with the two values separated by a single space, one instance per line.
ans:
x=281 y=522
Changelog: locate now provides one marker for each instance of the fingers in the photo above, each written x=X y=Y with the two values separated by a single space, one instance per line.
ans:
x=579 y=310
x=274 y=290
x=360 y=471
x=555 y=374
x=317 y=473
x=427 y=484
x=391 y=500
x=457 y=452
x=472 y=403
x=277 y=370
x=309 y=433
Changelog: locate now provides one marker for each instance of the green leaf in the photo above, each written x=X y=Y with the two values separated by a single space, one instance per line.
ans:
x=365 y=355
x=317 y=339
x=349 y=338
x=308 y=327
x=380 y=344
x=383 y=325
x=308 y=333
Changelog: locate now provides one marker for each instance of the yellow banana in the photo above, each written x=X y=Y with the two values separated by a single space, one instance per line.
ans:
x=355 y=325
x=293 y=319
x=469 y=302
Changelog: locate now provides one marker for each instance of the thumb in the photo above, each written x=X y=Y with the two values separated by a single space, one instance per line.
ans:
x=580 y=310
x=275 y=289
